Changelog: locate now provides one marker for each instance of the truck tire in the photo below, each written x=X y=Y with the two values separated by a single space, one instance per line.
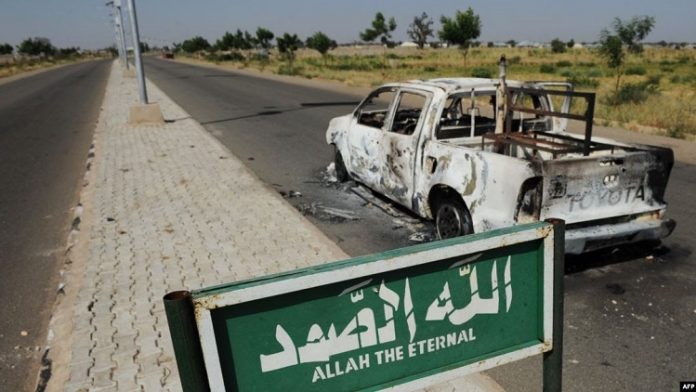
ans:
x=452 y=219
x=341 y=171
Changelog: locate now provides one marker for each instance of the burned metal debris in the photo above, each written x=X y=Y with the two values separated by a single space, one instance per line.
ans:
x=327 y=214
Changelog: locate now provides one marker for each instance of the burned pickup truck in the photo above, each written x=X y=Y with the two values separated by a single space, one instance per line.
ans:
x=477 y=154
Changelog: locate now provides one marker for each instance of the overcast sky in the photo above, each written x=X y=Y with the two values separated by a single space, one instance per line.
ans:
x=86 y=23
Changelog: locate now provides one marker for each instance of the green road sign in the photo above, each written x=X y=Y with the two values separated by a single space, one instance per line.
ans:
x=409 y=317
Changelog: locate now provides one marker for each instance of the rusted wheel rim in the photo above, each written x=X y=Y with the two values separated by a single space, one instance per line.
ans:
x=449 y=222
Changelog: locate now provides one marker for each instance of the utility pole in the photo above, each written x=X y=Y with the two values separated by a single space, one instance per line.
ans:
x=122 y=34
x=136 y=51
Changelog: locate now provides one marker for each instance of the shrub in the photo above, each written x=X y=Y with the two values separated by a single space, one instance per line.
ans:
x=514 y=60
x=594 y=73
x=635 y=92
x=231 y=56
x=666 y=69
x=481 y=73
x=547 y=68
x=558 y=46
x=653 y=80
x=564 y=63
x=568 y=74
x=636 y=70
x=285 y=69
x=583 y=81
x=429 y=68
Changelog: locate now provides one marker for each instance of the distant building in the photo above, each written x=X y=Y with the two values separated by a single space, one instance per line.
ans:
x=529 y=44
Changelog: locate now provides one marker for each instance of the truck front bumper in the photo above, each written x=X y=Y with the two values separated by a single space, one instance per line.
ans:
x=586 y=239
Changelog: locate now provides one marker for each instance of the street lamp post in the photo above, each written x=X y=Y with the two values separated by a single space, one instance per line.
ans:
x=117 y=39
x=122 y=34
x=136 y=51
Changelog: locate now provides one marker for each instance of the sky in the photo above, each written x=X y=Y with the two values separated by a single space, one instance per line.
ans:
x=87 y=24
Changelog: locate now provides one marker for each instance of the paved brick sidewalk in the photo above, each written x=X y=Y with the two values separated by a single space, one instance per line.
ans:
x=167 y=207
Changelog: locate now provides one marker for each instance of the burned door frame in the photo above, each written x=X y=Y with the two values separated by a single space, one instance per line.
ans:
x=364 y=141
x=399 y=153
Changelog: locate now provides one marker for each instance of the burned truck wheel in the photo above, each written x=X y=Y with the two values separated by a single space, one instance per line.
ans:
x=452 y=219
x=341 y=171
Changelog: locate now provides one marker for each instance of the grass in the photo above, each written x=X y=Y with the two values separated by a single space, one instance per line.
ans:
x=21 y=66
x=668 y=106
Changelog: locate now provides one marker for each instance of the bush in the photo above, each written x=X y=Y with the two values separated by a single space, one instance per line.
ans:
x=653 y=80
x=558 y=46
x=594 y=73
x=583 y=81
x=666 y=69
x=231 y=56
x=635 y=92
x=285 y=69
x=481 y=73
x=547 y=68
x=636 y=70
x=429 y=68
x=514 y=60
x=564 y=63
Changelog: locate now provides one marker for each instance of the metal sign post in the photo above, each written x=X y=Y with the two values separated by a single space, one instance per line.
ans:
x=403 y=319
x=136 y=51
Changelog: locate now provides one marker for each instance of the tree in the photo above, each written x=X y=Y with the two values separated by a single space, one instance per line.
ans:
x=628 y=34
x=571 y=44
x=71 y=51
x=380 y=29
x=248 y=41
x=611 y=49
x=633 y=31
x=321 y=43
x=226 y=42
x=241 y=40
x=512 y=43
x=461 y=30
x=264 y=38
x=37 y=46
x=420 y=30
x=287 y=45
x=6 y=48
x=558 y=46
x=195 y=44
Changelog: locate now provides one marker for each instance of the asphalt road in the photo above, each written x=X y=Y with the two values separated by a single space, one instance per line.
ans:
x=630 y=314
x=46 y=126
